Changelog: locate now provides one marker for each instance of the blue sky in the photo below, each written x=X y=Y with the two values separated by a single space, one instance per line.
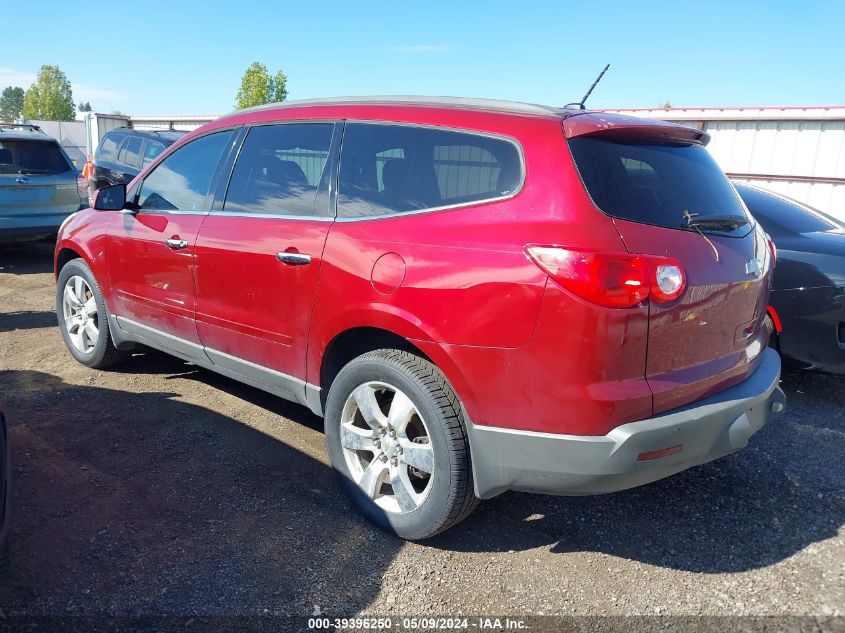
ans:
x=187 y=56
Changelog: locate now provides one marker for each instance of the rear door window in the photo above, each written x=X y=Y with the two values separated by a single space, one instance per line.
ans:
x=279 y=170
x=654 y=183
x=132 y=155
x=387 y=169
x=32 y=157
x=181 y=182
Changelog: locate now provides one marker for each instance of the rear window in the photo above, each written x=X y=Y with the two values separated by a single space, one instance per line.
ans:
x=109 y=146
x=781 y=217
x=32 y=157
x=654 y=183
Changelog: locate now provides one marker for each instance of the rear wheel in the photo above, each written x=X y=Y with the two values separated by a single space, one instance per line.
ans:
x=83 y=319
x=396 y=437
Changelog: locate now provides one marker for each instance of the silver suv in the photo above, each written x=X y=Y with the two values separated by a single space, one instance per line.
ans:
x=39 y=185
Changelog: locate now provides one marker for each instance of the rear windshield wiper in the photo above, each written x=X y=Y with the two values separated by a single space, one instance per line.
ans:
x=713 y=221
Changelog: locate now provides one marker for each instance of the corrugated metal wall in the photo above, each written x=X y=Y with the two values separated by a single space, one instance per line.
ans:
x=799 y=152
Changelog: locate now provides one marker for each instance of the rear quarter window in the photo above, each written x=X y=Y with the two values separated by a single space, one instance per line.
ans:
x=109 y=146
x=388 y=169
x=32 y=157
x=654 y=183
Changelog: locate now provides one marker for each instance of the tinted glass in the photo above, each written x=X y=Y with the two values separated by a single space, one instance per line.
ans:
x=279 y=169
x=108 y=148
x=654 y=183
x=396 y=168
x=133 y=152
x=781 y=217
x=151 y=150
x=32 y=157
x=182 y=180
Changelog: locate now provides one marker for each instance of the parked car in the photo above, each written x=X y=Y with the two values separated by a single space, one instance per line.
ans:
x=39 y=186
x=478 y=296
x=808 y=292
x=124 y=151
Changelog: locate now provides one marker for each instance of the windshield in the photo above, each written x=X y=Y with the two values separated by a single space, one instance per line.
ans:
x=32 y=157
x=671 y=185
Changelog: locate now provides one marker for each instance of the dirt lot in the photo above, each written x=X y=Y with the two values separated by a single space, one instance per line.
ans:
x=160 y=488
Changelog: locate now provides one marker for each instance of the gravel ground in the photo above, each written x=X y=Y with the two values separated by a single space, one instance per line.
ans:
x=160 y=488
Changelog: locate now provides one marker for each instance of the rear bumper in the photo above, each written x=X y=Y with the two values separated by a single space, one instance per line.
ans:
x=35 y=225
x=505 y=459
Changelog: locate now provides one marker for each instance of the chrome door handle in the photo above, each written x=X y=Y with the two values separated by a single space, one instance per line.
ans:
x=297 y=259
x=175 y=244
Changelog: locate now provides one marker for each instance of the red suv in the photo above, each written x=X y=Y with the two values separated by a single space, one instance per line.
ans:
x=478 y=296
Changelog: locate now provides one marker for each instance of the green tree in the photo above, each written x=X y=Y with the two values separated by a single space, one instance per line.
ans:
x=258 y=87
x=11 y=103
x=279 y=90
x=666 y=104
x=50 y=98
x=85 y=106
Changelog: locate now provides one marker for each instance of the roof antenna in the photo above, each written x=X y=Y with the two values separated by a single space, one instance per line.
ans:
x=581 y=103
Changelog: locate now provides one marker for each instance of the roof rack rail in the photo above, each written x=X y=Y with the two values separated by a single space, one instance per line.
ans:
x=21 y=126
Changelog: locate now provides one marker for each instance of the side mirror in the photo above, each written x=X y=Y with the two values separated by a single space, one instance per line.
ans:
x=111 y=198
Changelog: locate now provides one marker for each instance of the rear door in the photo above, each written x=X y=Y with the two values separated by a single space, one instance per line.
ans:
x=259 y=255
x=668 y=197
x=151 y=248
x=38 y=185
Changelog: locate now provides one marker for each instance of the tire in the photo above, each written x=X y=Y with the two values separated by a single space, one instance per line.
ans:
x=433 y=437
x=774 y=343
x=96 y=354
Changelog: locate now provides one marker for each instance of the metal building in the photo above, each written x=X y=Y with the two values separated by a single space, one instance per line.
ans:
x=796 y=151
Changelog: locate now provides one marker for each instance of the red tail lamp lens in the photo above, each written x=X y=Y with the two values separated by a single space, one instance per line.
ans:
x=611 y=279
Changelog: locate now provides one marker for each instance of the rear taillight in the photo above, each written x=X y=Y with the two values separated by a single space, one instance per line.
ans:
x=611 y=279
x=82 y=186
x=772 y=249
x=667 y=279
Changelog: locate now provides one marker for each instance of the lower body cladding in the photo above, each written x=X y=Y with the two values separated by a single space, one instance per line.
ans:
x=632 y=454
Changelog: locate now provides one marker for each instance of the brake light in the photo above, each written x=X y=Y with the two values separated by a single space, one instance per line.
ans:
x=772 y=249
x=82 y=186
x=612 y=279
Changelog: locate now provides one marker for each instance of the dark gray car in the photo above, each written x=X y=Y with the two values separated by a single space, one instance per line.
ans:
x=39 y=185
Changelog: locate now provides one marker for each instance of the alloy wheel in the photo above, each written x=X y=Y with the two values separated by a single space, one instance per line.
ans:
x=79 y=309
x=386 y=446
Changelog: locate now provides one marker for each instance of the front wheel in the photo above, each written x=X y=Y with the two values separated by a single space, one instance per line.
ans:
x=83 y=319
x=396 y=437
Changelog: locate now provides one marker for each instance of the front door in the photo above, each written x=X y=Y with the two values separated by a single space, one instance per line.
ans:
x=259 y=256
x=151 y=248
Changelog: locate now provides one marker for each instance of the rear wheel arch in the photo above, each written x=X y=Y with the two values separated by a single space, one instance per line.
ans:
x=355 y=342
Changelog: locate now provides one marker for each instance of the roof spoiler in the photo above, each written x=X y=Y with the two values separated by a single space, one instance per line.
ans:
x=615 y=127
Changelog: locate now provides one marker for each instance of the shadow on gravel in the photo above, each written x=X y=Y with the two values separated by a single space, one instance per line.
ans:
x=28 y=320
x=27 y=258
x=131 y=504
x=752 y=509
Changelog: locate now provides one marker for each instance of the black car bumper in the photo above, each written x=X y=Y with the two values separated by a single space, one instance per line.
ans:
x=813 y=321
